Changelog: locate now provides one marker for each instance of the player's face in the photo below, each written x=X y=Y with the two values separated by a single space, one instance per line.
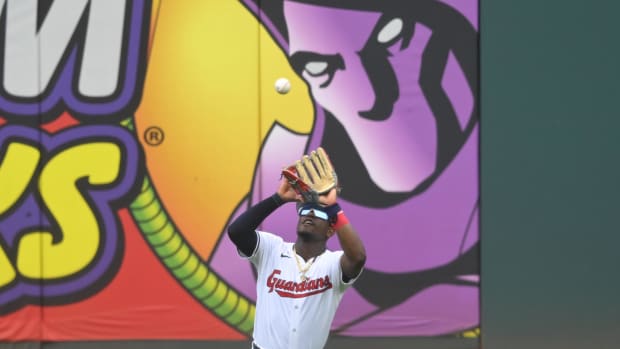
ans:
x=313 y=224
x=359 y=71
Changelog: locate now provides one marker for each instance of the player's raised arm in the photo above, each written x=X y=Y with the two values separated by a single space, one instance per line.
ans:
x=354 y=256
x=242 y=231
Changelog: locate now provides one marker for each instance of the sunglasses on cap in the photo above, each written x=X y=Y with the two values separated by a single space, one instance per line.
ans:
x=305 y=211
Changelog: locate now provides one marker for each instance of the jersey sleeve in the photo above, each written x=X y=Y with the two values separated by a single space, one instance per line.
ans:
x=266 y=245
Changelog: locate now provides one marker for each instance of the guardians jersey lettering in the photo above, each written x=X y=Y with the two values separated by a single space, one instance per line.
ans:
x=293 y=313
x=292 y=289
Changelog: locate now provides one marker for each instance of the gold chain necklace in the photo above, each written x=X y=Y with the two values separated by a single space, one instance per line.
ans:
x=305 y=268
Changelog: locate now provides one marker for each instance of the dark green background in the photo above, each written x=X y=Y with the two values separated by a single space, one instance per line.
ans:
x=550 y=172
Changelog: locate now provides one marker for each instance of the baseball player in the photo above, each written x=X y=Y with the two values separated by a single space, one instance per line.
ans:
x=300 y=284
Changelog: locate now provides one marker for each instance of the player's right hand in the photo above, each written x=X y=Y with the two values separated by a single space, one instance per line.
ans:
x=286 y=191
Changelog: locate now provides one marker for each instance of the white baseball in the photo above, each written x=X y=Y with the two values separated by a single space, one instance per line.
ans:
x=283 y=85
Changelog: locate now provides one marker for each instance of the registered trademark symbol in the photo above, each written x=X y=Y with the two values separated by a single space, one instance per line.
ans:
x=154 y=136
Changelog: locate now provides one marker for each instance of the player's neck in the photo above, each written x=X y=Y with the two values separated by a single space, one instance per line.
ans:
x=309 y=249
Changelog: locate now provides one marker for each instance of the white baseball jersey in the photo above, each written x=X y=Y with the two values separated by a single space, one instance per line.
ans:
x=292 y=313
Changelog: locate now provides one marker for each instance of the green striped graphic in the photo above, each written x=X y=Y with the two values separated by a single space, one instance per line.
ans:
x=184 y=263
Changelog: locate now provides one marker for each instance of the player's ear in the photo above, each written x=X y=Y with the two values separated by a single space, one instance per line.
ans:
x=330 y=231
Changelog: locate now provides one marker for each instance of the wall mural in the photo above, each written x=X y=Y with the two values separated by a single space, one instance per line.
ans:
x=132 y=132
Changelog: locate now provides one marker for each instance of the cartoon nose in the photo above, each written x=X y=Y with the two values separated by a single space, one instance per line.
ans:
x=384 y=83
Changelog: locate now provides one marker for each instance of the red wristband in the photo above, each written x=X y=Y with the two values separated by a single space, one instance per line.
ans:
x=341 y=220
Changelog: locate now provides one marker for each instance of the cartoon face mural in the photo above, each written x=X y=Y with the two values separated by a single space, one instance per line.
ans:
x=396 y=92
x=392 y=91
x=356 y=63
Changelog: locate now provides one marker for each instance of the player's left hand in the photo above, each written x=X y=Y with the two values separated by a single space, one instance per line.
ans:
x=329 y=198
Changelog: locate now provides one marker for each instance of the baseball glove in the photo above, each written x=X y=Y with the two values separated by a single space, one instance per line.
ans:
x=312 y=176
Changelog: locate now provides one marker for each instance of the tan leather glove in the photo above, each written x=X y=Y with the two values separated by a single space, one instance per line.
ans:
x=312 y=176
